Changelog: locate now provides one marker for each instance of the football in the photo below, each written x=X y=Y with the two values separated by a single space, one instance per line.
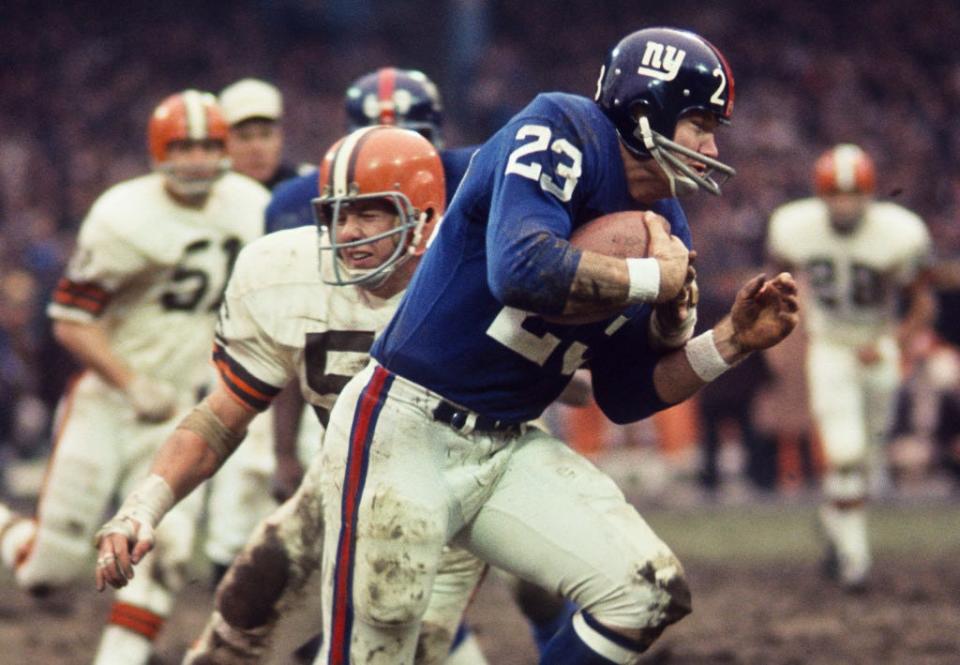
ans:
x=620 y=234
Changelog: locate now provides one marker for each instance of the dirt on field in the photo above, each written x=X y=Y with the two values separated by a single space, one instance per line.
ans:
x=768 y=614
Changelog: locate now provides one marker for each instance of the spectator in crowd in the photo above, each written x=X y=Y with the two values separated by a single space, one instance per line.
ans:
x=253 y=110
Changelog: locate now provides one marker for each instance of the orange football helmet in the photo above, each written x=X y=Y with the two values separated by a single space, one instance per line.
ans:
x=844 y=169
x=190 y=115
x=396 y=166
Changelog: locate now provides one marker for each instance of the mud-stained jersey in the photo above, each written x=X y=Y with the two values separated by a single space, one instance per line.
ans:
x=154 y=271
x=280 y=321
x=467 y=329
x=855 y=277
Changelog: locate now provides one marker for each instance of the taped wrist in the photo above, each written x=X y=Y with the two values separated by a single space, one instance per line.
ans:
x=674 y=338
x=644 y=280
x=203 y=422
x=148 y=502
x=705 y=358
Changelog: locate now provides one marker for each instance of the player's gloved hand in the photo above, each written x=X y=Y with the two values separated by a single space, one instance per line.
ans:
x=154 y=401
x=764 y=312
x=286 y=478
x=671 y=254
x=672 y=322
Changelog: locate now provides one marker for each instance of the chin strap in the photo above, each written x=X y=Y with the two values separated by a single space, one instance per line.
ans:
x=683 y=178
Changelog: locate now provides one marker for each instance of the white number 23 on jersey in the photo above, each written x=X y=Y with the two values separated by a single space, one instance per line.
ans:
x=567 y=174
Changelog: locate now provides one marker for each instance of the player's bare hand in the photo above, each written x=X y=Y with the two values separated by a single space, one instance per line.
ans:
x=121 y=543
x=765 y=312
x=287 y=477
x=153 y=401
x=671 y=254
x=672 y=314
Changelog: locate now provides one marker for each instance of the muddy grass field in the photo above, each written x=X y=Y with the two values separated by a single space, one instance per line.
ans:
x=758 y=598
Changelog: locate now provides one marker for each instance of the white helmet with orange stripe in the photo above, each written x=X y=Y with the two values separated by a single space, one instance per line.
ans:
x=187 y=136
x=845 y=178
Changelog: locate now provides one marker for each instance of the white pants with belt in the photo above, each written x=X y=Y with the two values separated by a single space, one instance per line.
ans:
x=398 y=486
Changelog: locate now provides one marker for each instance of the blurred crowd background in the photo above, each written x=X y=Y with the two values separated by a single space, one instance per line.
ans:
x=78 y=81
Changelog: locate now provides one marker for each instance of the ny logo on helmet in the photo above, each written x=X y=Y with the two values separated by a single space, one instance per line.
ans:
x=660 y=65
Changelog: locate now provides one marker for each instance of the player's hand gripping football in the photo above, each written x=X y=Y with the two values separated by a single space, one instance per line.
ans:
x=764 y=312
x=121 y=543
x=671 y=254
x=672 y=314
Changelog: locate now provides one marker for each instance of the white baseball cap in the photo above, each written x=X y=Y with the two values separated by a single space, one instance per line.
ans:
x=250 y=98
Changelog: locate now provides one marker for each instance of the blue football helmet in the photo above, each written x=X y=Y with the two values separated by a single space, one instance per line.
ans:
x=651 y=79
x=402 y=97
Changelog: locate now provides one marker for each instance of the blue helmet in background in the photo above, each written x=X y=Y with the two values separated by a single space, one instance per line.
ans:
x=650 y=80
x=402 y=97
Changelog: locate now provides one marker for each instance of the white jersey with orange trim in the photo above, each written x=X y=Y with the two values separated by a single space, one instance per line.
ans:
x=280 y=321
x=153 y=271
x=854 y=277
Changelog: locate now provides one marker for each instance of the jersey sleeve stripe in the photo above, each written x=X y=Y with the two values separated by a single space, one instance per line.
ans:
x=87 y=296
x=136 y=619
x=258 y=394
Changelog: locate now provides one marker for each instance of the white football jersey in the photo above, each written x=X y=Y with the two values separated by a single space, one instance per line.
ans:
x=154 y=271
x=280 y=321
x=854 y=278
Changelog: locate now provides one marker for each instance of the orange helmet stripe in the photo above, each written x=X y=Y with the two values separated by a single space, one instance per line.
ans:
x=386 y=84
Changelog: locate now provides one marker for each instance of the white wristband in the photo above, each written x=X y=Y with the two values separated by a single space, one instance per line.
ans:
x=149 y=501
x=644 y=280
x=704 y=358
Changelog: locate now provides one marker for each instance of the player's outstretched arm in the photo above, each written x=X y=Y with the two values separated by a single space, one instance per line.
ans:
x=763 y=314
x=192 y=453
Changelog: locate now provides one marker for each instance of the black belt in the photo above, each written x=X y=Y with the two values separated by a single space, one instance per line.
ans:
x=457 y=418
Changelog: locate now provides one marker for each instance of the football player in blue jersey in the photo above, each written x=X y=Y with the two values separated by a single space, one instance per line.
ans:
x=428 y=446
x=409 y=99
x=388 y=96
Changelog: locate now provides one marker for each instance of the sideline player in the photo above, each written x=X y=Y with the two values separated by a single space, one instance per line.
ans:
x=858 y=255
x=137 y=307
x=300 y=324
x=428 y=447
